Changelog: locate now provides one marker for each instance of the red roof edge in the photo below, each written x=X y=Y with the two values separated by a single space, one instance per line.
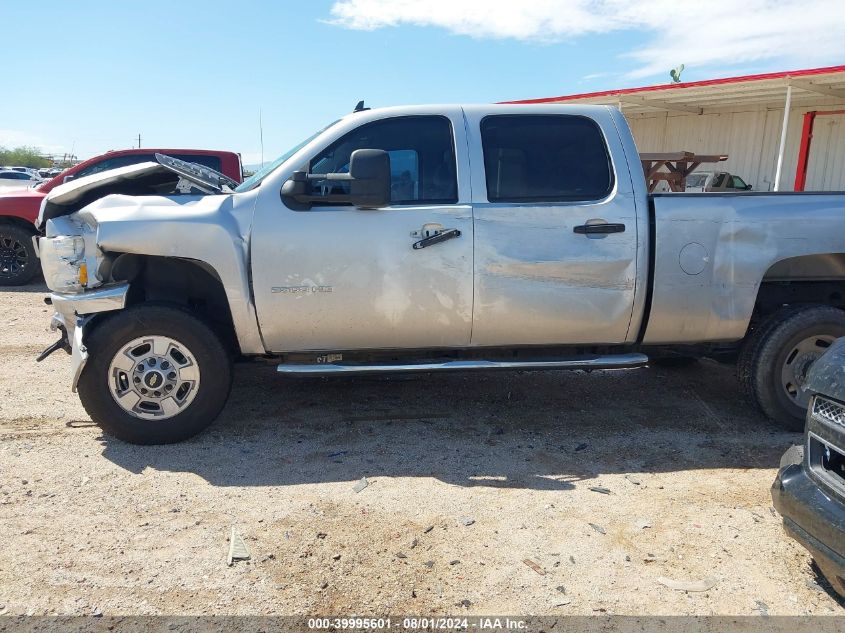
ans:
x=690 y=84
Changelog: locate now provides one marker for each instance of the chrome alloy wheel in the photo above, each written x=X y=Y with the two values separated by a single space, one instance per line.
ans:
x=793 y=374
x=13 y=256
x=154 y=377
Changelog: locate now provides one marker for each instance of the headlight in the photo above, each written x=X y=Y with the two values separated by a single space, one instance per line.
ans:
x=70 y=248
x=62 y=262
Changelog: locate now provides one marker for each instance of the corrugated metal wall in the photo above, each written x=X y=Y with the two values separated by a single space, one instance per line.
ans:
x=750 y=136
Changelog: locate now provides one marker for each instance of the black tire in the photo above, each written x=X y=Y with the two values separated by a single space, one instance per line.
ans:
x=673 y=361
x=766 y=351
x=113 y=334
x=18 y=261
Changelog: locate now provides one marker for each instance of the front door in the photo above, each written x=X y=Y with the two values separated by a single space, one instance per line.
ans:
x=555 y=231
x=338 y=278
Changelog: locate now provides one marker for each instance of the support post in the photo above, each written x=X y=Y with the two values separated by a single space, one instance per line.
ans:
x=783 y=128
x=804 y=151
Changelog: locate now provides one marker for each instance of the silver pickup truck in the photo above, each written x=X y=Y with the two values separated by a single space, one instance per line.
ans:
x=430 y=238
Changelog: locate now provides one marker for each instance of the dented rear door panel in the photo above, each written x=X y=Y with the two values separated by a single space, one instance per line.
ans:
x=538 y=281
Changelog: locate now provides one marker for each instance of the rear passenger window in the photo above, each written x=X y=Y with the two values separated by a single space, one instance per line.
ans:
x=544 y=158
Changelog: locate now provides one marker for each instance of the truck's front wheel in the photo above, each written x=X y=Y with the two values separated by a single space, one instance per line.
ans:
x=774 y=361
x=155 y=375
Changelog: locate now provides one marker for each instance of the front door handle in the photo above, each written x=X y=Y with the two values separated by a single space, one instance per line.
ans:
x=599 y=229
x=442 y=236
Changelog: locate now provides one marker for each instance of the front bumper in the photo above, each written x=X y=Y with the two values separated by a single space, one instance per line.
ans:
x=814 y=518
x=74 y=311
x=70 y=307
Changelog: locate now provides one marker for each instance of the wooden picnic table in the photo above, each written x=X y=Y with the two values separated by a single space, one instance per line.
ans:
x=679 y=166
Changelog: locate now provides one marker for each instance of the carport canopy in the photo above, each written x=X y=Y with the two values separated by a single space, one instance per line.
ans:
x=781 y=89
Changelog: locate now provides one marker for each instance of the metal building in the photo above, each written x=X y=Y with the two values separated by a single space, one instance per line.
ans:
x=743 y=117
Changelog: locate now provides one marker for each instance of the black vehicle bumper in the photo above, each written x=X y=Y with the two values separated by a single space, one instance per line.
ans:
x=814 y=518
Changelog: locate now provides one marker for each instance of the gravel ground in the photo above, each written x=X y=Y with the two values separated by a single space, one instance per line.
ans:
x=481 y=496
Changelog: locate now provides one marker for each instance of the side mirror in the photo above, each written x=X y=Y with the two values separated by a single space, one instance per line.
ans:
x=370 y=173
x=748 y=187
x=368 y=188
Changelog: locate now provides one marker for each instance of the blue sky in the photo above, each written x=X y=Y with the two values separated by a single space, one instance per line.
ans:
x=90 y=76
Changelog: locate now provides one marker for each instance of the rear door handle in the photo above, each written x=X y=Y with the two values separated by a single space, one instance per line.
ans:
x=599 y=229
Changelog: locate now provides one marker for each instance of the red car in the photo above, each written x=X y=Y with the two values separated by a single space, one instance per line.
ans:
x=19 y=209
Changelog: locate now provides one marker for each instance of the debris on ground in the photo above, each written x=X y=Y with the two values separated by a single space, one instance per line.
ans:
x=651 y=558
x=467 y=521
x=600 y=489
x=401 y=555
x=464 y=603
x=428 y=529
x=414 y=543
x=321 y=535
x=237 y=548
x=581 y=447
x=761 y=607
x=363 y=483
x=534 y=566
x=336 y=557
x=598 y=528
x=634 y=480
x=563 y=602
x=455 y=562
x=688 y=585
x=813 y=585
x=561 y=589
x=642 y=524
x=429 y=563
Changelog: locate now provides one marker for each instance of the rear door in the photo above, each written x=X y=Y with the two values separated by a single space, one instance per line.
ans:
x=555 y=230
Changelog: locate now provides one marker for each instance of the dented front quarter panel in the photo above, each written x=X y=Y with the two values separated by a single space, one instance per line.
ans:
x=210 y=229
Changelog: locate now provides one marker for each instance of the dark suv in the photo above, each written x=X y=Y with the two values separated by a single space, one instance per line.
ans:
x=809 y=490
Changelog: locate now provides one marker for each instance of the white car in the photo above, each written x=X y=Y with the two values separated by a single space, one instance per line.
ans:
x=715 y=181
x=11 y=179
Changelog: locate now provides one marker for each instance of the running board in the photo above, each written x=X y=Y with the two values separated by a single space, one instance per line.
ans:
x=620 y=361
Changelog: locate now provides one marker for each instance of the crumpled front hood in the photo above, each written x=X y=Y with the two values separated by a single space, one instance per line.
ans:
x=827 y=374
x=71 y=196
x=143 y=179
x=118 y=208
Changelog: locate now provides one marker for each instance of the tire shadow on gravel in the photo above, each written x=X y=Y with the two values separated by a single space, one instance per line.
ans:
x=534 y=430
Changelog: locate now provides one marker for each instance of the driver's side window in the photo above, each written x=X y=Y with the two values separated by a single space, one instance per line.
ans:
x=422 y=159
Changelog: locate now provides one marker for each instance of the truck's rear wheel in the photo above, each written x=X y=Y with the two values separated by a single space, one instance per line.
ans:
x=18 y=262
x=774 y=361
x=155 y=375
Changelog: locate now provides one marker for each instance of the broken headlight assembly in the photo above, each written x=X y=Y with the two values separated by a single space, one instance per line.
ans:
x=63 y=263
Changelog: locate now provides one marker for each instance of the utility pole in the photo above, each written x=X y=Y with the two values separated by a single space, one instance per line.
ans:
x=139 y=140
x=261 y=135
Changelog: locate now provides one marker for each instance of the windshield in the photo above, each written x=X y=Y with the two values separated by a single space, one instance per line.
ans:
x=696 y=180
x=253 y=181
